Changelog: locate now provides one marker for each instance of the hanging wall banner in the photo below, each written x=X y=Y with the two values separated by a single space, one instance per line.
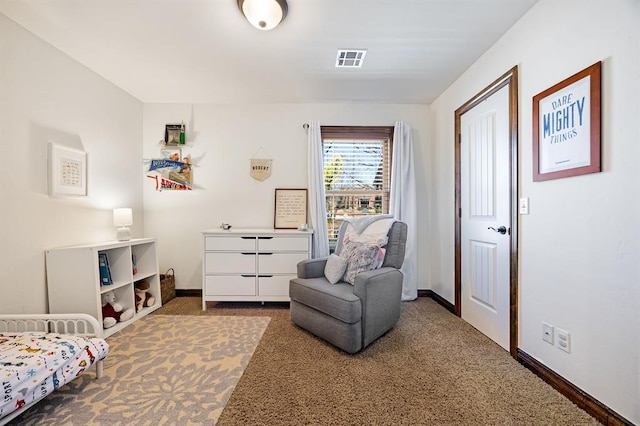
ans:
x=171 y=174
x=260 y=169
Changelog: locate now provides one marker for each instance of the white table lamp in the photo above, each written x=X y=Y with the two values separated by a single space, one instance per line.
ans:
x=122 y=218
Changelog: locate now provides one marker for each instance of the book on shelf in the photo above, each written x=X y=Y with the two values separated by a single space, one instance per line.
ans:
x=133 y=262
x=105 y=271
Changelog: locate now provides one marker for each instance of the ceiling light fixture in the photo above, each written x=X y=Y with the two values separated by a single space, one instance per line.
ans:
x=264 y=14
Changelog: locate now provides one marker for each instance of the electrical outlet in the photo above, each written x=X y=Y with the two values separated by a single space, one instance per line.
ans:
x=547 y=333
x=564 y=340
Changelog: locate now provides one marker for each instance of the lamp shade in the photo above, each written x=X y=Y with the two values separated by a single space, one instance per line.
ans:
x=122 y=217
x=264 y=14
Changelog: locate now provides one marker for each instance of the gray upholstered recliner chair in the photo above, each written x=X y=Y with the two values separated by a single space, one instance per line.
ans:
x=350 y=316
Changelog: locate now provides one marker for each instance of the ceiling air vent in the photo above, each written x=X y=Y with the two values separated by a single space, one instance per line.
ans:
x=350 y=58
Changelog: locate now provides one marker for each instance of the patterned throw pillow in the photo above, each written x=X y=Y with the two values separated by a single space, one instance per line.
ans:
x=382 y=252
x=334 y=268
x=360 y=257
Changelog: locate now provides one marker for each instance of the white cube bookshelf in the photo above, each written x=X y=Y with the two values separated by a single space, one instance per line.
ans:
x=74 y=282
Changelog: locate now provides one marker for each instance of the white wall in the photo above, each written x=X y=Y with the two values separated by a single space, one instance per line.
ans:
x=223 y=138
x=580 y=246
x=47 y=96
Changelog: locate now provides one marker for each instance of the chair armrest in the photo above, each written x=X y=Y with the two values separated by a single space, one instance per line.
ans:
x=312 y=268
x=380 y=292
x=368 y=283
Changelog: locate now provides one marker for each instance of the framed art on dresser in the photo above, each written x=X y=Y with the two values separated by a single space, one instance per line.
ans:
x=290 y=208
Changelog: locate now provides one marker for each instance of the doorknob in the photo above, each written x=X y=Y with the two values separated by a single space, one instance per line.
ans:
x=501 y=230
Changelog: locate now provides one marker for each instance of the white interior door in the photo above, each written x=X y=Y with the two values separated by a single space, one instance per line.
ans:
x=486 y=217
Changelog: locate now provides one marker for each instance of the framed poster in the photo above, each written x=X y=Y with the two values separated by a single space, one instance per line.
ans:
x=290 y=208
x=67 y=171
x=566 y=127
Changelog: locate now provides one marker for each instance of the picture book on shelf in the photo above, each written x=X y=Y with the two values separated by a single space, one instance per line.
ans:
x=105 y=272
x=133 y=262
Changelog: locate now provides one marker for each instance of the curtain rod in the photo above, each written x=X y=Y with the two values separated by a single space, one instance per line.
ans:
x=305 y=126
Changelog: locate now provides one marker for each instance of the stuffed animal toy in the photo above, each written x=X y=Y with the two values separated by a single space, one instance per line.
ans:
x=112 y=311
x=143 y=297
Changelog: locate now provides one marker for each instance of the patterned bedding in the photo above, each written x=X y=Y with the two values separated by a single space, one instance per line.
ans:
x=34 y=364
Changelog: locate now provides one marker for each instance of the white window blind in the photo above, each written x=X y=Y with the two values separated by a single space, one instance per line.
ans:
x=356 y=166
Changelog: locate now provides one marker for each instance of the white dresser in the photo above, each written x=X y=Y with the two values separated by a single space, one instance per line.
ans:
x=251 y=264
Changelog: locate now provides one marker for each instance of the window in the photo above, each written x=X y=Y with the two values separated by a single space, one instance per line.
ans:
x=357 y=172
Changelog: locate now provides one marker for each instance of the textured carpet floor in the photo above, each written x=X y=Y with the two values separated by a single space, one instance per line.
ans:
x=172 y=370
x=431 y=369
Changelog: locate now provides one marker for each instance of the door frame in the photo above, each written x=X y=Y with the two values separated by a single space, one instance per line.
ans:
x=510 y=79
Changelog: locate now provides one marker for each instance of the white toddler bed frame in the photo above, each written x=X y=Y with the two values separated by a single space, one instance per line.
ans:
x=81 y=324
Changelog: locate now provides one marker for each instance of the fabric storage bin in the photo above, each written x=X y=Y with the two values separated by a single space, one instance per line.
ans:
x=168 y=285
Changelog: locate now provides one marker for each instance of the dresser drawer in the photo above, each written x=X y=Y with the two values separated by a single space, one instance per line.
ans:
x=275 y=285
x=279 y=263
x=283 y=243
x=230 y=285
x=229 y=263
x=230 y=243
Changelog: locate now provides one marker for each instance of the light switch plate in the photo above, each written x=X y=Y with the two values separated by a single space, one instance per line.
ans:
x=524 y=205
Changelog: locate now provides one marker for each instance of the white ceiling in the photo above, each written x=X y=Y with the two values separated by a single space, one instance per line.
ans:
x=204 y=51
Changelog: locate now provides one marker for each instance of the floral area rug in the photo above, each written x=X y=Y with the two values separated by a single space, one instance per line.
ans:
x=162 y=369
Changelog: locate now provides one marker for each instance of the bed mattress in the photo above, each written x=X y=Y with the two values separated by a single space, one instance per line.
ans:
x=34 y=364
